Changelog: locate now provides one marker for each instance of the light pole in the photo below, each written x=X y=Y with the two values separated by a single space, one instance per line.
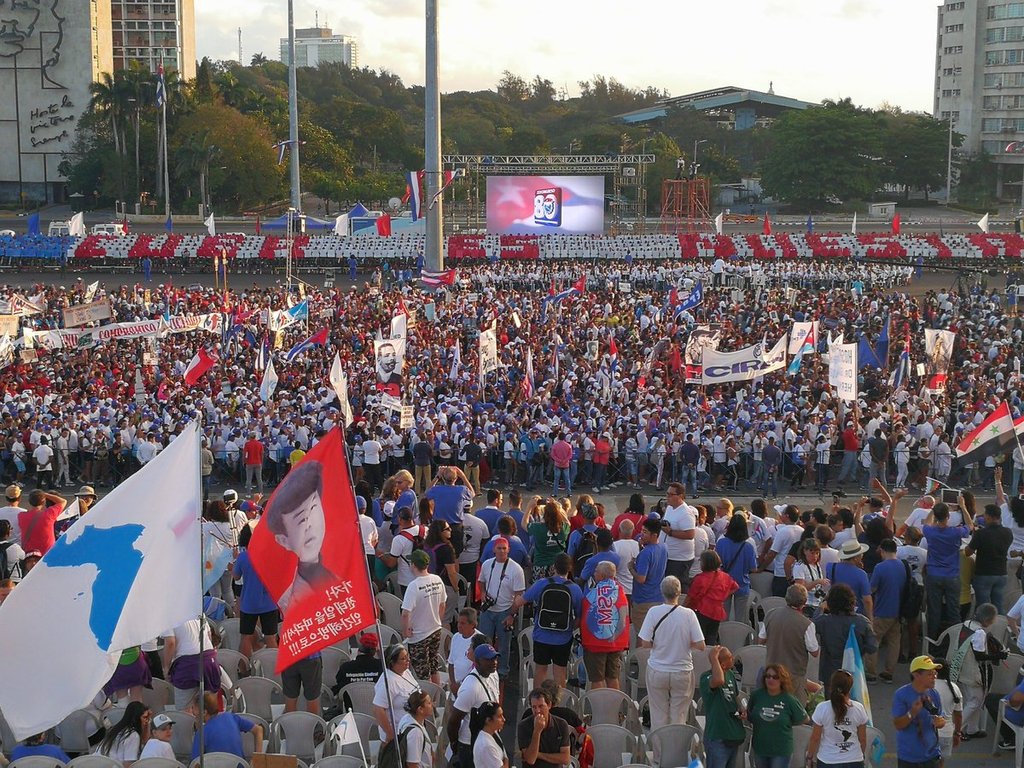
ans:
x=433 y=250
x=293 y=112
x=696 y=143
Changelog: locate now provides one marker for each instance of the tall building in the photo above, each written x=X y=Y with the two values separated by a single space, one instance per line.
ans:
x=154 y=32
x=319 y=45
x=979 y=81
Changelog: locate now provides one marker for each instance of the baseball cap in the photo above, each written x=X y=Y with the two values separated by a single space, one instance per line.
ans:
x=923 y=663
x=161 y=721
x=485 y=651
x=420 y=559
x=370 y=641
x=230 y=495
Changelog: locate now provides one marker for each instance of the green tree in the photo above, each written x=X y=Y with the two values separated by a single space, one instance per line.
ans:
x=916 y=150
x=832 y=150
x=513 y=88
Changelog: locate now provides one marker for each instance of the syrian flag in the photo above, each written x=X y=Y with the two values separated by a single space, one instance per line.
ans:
x=437 y=279
x=269 y=383
x=317 y=339
x=453 y=374
x=414 y=193
x=994 y=435
x=528 y=378
x=200 y=364
x=931 y=485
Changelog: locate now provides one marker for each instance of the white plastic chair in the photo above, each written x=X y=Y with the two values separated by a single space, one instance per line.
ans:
x=299 y=733
x=735 y=635
x=673 y=745
x=94 y=761
x=220 y=760
x=74 y=730
x=613 y=745
x=37 y=761
x=158 y=762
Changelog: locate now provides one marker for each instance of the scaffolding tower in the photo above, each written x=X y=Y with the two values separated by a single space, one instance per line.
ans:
x=685 y=205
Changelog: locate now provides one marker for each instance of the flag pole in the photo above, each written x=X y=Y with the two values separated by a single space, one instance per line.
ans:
x=201 y=714
x=376 y=609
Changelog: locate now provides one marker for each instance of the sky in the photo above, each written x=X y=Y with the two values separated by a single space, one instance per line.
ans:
x=872 y=51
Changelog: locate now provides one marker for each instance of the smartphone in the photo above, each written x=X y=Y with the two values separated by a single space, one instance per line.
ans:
x=951 y=496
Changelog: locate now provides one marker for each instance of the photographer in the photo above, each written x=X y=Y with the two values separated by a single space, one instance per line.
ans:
x=917 y=716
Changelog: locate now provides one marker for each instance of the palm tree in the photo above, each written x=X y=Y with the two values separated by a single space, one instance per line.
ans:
x=258 y=60
x=106 y=99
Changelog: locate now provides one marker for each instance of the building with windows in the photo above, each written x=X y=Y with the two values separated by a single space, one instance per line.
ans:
x=319 y=45
x=979 y=82
x=154 y=32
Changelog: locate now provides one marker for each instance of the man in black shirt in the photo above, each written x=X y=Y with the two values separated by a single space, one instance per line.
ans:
x=992 y=543
x=543 y=738
x=366 y=667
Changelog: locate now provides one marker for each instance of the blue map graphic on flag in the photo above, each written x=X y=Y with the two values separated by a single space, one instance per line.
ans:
x=117 y=563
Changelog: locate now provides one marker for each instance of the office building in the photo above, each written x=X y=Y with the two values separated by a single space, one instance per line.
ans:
x=319 y=45
x=154 y=32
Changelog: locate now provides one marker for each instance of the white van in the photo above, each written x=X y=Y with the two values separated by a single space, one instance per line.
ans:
x=116 y=229
x=58 y=229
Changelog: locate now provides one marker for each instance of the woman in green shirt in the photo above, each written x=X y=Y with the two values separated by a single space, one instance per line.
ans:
x=773 y=711
x=550 y=534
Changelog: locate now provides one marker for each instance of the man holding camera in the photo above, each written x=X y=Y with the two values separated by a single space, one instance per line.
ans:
x=917 y=716
x=502 y=583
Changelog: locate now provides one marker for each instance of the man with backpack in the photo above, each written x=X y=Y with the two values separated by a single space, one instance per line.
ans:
x=582 y=543
x=11 y=554
x=889 y=582
x=559 y=606
x=605 y=553
x=479 y=686
x=501 y=581
x=409 y=538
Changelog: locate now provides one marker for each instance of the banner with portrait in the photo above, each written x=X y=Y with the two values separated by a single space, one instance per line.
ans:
x=488 y=351
x=389 y=355
x=938 y=352
x=702 y=337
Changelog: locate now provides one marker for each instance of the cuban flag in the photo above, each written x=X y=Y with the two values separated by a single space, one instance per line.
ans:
x=437 y=279
x=161 y=87
x=576 y=289
x=613 y=352
x=414 y=193
x=807 y=348
x=901 y=374
x=695 y=299
x=317 y=339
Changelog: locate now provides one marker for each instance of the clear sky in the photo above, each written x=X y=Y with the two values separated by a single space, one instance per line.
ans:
x=872 y=51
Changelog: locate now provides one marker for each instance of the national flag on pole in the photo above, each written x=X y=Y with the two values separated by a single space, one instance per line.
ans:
x=200 y=364
x=339 y=383
x=901 y=373
x=719 y=221
x=433 y=279
x=281 y=147
x=766 y=226
x=384 y=226
x=528 y=378
x=896 y=224
x=33 y=224
x=414 y=193
x=882 y=344
x=308 y=552
x=453 y=374
x=576 y=289
x=211 y=225
x=994 y=435
x=983 y=223
x=121 y=575
x=161 y=87
x=269 y=383
x=854 y=664
x=169 y=224
x=317 y=339
x=695 y=299
x=853 y=228
x=810 y=224
x=341 y=225
x=613 y=351
x=76 y=226
x=932 y=485
x=807 y=348
x=866 y=355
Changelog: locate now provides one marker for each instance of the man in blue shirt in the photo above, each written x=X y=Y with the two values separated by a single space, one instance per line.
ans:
x=942 y=579
x=254 y=605
x=452 y=495
x=648 y=569
x=850 y=571
x=223 y=730
x=36 y=746
x=1014 y=713
x=917 y=715
x=492 y=512
x=552 y=645
x=887 y=582
x=605 y=542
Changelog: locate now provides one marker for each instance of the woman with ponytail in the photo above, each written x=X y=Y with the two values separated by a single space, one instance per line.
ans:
x=485 y=724
x=839 y=738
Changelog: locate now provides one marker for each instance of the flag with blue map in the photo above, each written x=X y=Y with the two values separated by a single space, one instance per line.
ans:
x=121 y=575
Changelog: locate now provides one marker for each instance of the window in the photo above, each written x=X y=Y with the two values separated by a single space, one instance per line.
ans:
x=953 y=49
x=954 y=28
x=951 y=93
x=954 y=6
x=991 y=102
x=992 y=125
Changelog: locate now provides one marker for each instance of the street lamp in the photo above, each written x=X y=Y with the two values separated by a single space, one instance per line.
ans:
x=697 y=143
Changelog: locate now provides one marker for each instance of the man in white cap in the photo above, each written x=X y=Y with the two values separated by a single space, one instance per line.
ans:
x=159 y=744
x=12 y=510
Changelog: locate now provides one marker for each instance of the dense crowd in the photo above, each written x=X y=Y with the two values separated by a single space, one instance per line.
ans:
x=595 y=389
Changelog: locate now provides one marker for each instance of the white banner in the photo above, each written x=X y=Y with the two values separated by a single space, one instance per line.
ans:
x=213 y=322
x=488 y=351
x=842 y=371
x=80 y=314
x=399 y=323
x=748 y=363
x=139 y=330
x=799 y=334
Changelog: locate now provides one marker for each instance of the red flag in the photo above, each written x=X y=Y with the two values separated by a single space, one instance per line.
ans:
x=200 y=364
x=401 y=306
x=673 y=297
x=580 y=285
x=613 y=348
x=384 y=226
x=766 y=228
x=308 y=552
x=896 y=224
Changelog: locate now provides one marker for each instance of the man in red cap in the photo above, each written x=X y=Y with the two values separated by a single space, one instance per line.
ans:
x=366 y=667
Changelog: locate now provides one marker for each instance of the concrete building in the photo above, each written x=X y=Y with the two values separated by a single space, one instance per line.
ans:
x=738 y=109
x=319 y=45
x=979 y=81
x=154 y=32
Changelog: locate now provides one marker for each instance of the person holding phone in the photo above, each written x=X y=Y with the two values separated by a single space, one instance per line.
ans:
x=917 y=715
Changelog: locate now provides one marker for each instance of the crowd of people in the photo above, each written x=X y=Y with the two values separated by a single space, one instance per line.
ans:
x=596 y=389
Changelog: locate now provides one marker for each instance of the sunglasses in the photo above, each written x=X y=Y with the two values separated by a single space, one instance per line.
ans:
x=771 y=676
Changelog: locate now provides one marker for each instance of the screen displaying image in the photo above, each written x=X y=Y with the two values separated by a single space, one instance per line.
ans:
x=530 y=205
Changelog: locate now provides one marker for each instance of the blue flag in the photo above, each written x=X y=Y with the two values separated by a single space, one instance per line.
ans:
x=865 y=354
x=810 y=223
x=33 y=224
x=161 y=87
x=169 y=224
x=882 y=345
x=696 y=298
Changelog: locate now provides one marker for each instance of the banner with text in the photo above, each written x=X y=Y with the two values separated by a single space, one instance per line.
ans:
x=80 y=314
x=842 y=371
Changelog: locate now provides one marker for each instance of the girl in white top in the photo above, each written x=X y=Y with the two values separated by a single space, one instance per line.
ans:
x=420 y=752
x=488 y=751
x=401 y=684
x=840 y=725
x=124 y=741
x=809 y=571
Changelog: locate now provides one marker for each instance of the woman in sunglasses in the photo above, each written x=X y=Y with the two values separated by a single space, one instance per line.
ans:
x=772 y=712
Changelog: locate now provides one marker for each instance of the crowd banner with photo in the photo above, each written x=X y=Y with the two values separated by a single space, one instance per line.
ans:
x=390 y=362
x=139 y=330
x=488 y=351
x=81 y=314
x=9 y=325
x=6 y=351
x=719 y=367
x=309 y=554
x=938 y=351
x=799 y=334
x=702 y=338
x=99 y=585
x=842 y=371
x=213 y=322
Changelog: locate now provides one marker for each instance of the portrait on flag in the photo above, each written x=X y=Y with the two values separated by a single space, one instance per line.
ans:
x=488 y=351
x=938 y=352
x=390 y=361
x=308 y=552
x=701 y=338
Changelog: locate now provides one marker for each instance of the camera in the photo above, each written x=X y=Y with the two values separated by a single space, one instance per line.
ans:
x=486 y=604
x=819 y=592
x=929 y=706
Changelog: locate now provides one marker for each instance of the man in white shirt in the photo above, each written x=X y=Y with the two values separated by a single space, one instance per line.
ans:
x=422 y=609
x=43 y=457
x=402 y=547
x=502 y=580
x=787 y=533
x=627 y=548
x=679 y=529
x=480 y=685
x=459 y=662
x=159 y=743
x=672 y=632
x=12 y=510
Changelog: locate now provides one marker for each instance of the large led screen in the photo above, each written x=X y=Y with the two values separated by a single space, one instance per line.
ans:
x=531 y=205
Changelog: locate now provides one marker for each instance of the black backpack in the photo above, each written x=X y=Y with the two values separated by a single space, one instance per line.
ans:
x=389 y=753
x=5 y=569
x=911 y=597
x=554 y=607
x=585 y=550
